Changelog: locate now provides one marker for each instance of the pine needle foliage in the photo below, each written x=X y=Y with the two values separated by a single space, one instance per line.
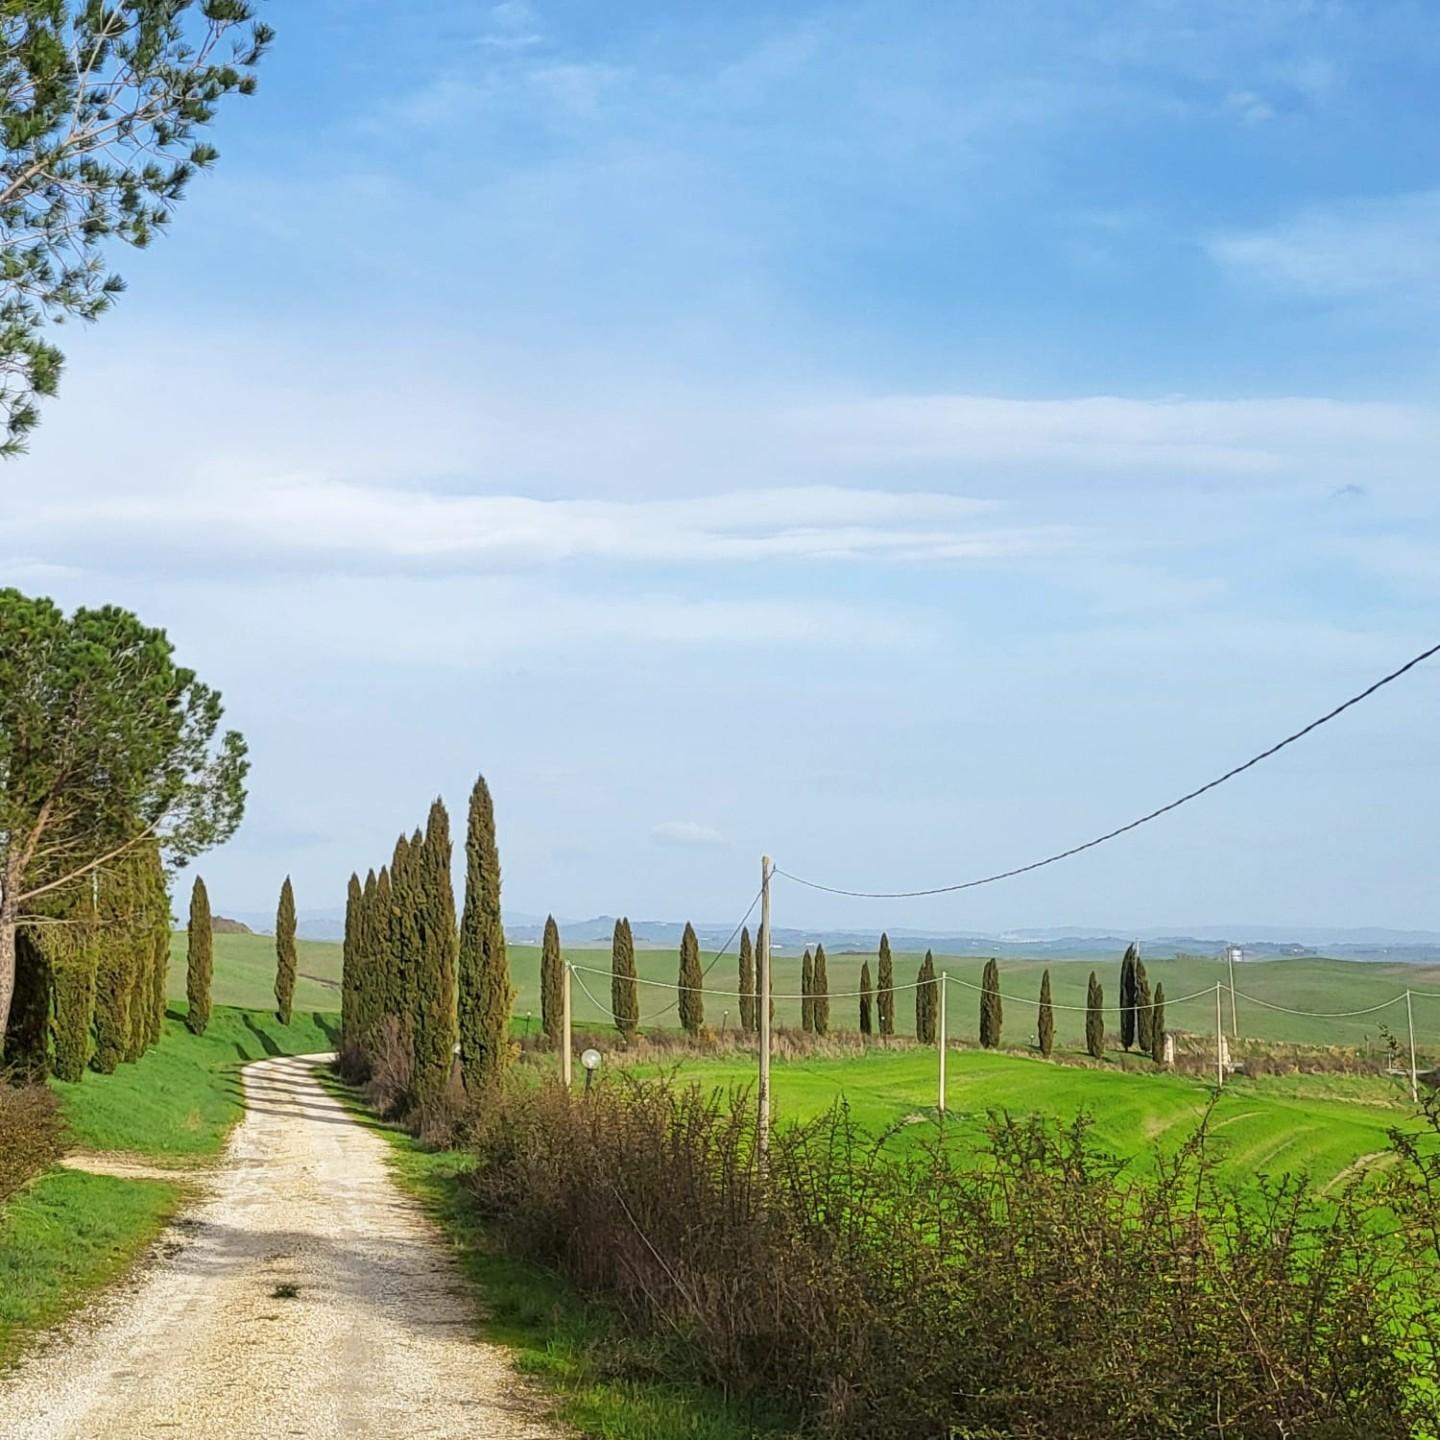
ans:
x=1045 y=1020
x=749 y=1015
x=433 y=1018
x=692 y=998
x=807 y=993
x=200 y=960
x=885 y=988
x=285 y=962
x=1095 y=1018
x=992 y=1013
x=486 y=993
x=820 y=993
x=552 y=983
x=624 y=992
x=867 y=1000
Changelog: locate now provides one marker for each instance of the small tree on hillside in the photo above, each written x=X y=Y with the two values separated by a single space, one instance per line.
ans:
x=1157 y=1026
x=692 y=998
x=285 y=964
x=624 y=999
x=1143 y=1015
x=1095 y=1018
x=552 y=983
x=807 y=992
x=749 y=1019
x=991 y=1011
x=1127 y=996
x=885 y=988
x=820 y=993
x=927 y=1001
x=200 y=960
x=867 y=999
x=1045 y=1021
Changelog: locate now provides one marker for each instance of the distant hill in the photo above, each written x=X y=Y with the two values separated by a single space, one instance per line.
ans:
x=221 y=925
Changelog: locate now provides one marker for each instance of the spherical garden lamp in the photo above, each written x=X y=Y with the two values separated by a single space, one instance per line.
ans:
x=590 y=1059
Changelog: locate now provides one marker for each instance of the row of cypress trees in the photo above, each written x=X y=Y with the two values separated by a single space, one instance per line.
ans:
x=414 y=978
x=90 y=977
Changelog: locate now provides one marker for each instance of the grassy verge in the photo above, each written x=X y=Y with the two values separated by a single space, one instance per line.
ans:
x=607 y=1384
x=66 y=1236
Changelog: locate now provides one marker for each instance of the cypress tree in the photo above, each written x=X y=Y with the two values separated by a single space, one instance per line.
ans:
x=624 y=999
x=434 y=1018
x=926 y=1001
x=820 y=993
x=382 y=908
x=1142 y=1008
x=200 y=960
x=807 y=988
x=1045 y=1023
x=285 y=953
x=367 y=979
x=866 y=999
x=991 y=1011
x=1127 y=996
x=1157 y=1026
x=160 y=946
x=760 y=979
x=885 y=992
x=749 y=1019
x=692 y=999
x=1095 y=1018
x=398 y=937
x=350 y=960
x=150 y=936
x=486 y=994
x=116 y=907
x=552 y=983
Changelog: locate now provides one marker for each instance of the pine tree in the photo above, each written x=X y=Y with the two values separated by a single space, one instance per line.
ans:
x=820 y=993
x=991 y=1010
x=552 y=983
x=1127 y=996
x=807 y=995
x=867 y=999
x=749 y=1019
x=624 y=999
x=434 y=1020
x=692 y=998
x=486 y=994
x=200 y=963
x=350 y=960
x=1142 y=1008
x=285 y=953
x=927 y=1004
x=1045 y=1022
x=1157 y=1026
x=1095 y=1018
x=885 y=988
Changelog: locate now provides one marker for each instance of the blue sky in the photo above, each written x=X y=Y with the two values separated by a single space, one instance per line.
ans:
x=907 y=438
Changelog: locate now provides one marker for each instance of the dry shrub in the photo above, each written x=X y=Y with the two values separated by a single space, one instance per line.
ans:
x=871 y=1289
x=31 y=1133
x=390 y=1062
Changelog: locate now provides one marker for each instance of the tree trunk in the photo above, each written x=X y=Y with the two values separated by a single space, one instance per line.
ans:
x=7 y=964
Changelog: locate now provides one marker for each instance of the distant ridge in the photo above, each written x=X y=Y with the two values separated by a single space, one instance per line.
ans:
x=221 y=925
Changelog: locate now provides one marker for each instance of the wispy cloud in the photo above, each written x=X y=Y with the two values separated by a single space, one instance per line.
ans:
x=688 y=833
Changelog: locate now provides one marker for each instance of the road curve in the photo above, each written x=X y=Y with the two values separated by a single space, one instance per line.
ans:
x=376 y=1341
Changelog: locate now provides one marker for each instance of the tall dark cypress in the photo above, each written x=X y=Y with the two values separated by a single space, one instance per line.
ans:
x=368 y=977
x=350 y=960
x=397 y=941
x=692 y=998
x=159 y=942
x=434 y=1020
x=382 y=906
x=927 y=1003
x=1045 y=1021
x=749 y=1017
x=285 y=963
x=991 y=1010
x=1127 y=996
x=200 y=962
x=867 y=999
x=885 y=988
x=552 y=982
x=1157 y=1026
x=624 y=996
x=117 y=905
x=807 y=992
x=27 y=1035
x=1143 y=1016
x=1095 y=1018
x=486 y=994
x=820 y=993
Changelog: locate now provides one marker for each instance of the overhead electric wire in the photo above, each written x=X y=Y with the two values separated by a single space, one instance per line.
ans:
x=1133 y=824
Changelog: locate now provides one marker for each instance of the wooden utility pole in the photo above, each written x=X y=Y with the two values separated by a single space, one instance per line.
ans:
x=1414 y=1076
x=565 y=1029
x=1219 y=1042
x=940 y=1103
x=762 y=999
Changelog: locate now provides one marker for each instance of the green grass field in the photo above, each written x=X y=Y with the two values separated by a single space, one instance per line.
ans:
x=245 y=972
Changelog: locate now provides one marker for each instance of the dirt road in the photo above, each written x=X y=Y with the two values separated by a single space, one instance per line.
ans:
x=375 y=1340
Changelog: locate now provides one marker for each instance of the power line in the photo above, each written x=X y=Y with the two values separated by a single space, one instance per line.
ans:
x=1133 y=824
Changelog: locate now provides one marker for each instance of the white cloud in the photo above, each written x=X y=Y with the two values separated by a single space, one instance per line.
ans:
x=688 y=832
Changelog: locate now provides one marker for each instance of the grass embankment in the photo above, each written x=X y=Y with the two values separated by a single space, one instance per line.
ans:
x=607 y=1384
x=245 y=972
x=71 y=1233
